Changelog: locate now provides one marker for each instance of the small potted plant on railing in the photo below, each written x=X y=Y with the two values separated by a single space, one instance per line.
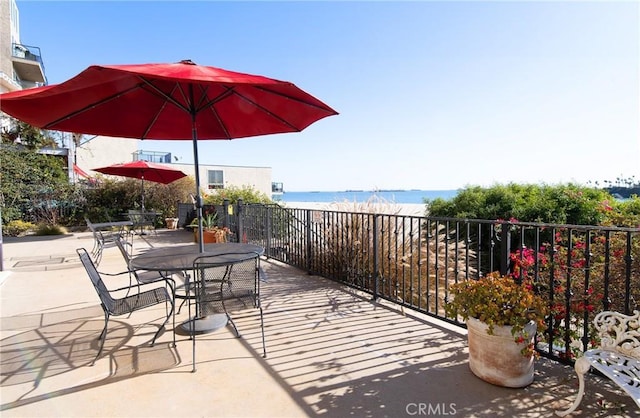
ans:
x=211 y=232
x=502 y=317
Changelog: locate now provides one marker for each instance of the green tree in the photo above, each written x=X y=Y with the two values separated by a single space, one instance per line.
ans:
x=29 y=182
x=17 y=132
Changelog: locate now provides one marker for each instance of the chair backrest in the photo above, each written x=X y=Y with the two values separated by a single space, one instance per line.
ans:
x=103 y=293
x=134 y=216
x=97 y=233
x=93 y=230
x=226 y=282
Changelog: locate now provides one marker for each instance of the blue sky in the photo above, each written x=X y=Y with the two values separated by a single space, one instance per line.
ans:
x=431 y=95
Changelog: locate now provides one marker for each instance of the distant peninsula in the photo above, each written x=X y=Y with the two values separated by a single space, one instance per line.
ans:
x=623 y=192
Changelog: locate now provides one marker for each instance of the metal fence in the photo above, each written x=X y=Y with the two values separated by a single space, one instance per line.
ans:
x=412 y=261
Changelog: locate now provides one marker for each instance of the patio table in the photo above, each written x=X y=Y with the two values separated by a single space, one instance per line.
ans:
x=180 y=258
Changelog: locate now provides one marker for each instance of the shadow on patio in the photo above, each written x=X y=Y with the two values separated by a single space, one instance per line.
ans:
x=64 y=342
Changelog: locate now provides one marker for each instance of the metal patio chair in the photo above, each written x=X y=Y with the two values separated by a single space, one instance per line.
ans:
x=143 y=220
x=103 y=238
x=220 y=287
x=141 y=276
x=116 y=306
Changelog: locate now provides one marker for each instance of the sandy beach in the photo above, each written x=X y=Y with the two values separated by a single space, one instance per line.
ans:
x=388 y=208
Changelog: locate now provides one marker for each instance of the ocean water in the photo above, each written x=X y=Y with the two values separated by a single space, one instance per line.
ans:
x=360 y=196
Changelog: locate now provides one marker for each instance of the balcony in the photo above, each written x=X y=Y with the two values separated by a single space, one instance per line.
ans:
x=152 y=157
x=277 y=191
x=277 y=187
x=331 y=351
x=28 y=65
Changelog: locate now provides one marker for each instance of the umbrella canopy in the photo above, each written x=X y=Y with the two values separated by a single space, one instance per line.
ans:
x=143 y=170
x=157 y=173
x=181 y=101
x=167 y=101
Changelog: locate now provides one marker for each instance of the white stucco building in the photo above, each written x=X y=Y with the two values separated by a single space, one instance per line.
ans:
x=101 y=151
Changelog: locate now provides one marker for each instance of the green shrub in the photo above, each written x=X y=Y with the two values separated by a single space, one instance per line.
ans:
x=48 y=229
x=562 y=204
x=247 y=193
x=17 y=228
x=112 y=198
x=622 y=213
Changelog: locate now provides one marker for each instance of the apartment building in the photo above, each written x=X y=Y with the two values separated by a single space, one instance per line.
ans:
x=21 y=65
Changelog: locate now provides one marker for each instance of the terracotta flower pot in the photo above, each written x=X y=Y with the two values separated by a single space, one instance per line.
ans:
x=211 y=236
x=497 y=358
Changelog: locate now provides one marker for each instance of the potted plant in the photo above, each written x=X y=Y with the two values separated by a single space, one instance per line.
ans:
x=172 y=223
x=211 y=232
x=173 y=219
x=502 y=317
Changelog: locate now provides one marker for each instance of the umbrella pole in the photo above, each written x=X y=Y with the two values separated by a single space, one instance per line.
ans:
x=142 y=211
x=142 y=193
x=194 y=136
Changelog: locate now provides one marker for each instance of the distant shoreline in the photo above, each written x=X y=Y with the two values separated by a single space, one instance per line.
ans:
x=353 y=196
x=407 y=209
x=370 y=191
x=622 y=192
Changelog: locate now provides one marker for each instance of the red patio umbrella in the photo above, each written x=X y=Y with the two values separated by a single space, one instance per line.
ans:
x=143 y=170
x=181 y=101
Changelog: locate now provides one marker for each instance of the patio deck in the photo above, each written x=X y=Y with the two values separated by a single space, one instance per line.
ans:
x=331 y=352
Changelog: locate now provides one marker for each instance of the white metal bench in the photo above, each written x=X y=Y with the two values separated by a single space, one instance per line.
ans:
x=617 y=357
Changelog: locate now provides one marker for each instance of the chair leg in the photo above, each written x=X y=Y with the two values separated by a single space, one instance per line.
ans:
x=174 y=322
x=192 y=333
x=581 y=367
x=130 y=286
x=264 y=346
x=94 y=250
x=233 y=324
x=181 y=305
x=186 y=294
x=163 y=325
x=102 y=337
x=98 y=255
x=172 y=287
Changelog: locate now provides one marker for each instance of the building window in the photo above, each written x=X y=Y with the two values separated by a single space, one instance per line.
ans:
x=215 y=179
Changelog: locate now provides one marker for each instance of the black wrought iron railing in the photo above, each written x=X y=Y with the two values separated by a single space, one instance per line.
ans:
x=412 y=261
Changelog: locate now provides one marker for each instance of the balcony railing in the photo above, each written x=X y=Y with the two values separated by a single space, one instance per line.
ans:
x=412 y=261
x=28 y=73
x=152 y=156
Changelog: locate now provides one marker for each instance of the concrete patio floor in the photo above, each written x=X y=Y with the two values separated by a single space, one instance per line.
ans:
x=331 y=352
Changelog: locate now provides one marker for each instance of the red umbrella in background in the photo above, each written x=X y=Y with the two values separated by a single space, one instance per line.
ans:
x=143 y=170
x=181 y=101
